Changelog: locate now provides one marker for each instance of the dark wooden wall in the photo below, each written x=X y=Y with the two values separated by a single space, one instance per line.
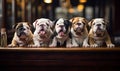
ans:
x=60 y=59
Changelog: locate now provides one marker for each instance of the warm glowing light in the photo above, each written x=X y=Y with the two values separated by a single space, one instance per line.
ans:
x=71 y=10
x=48 y=1
x=80 y=7
x=82 y=1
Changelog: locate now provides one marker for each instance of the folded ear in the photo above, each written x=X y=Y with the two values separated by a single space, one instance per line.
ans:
x=50 y=23
x=71 y=20
x=34 y=23
x=54 y=23
x=85 y=21
x=106 y=21
x=90 y=23
x=14 y=26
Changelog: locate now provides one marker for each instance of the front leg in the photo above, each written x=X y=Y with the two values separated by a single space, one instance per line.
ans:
x=13 y=44
x=108 y=42
x=92 y=42
x=36 y=42
x=74 y=43
x=69 y=43
x=85 y=42
x=54 y=43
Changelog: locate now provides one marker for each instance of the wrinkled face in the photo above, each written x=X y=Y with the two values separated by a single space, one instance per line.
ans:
x=78 y=25
x=23 y=30
x=42 y=26
x=61 y=27
x=98 y=26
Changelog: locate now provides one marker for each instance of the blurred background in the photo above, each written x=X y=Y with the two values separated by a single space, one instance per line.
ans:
x=14 y=11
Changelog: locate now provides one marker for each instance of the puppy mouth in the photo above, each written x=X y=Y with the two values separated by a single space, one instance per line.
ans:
x=22 y=36
x=61 y=32
x=99 y=32
x=78 y=31
x=42 y=32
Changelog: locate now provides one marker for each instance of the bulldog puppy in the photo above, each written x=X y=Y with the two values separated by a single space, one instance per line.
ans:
x=23 y=35
x=61 y=37
x=43 y=32
x=79 y=32
x=98 y=35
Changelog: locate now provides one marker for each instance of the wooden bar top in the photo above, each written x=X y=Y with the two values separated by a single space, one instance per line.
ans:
x=58 y=49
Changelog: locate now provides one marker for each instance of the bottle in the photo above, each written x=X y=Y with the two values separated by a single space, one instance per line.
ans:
x=3 y=37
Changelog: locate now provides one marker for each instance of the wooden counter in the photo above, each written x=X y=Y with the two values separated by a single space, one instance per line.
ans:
x=62 y=59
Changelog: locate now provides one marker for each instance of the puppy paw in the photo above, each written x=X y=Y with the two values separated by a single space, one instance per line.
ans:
x=110 y=45
x=86 y=45
x=12 y=46
x=34 y=46
x=52 y=45
x=69 y=46
x=94 y=46
x=74 y=46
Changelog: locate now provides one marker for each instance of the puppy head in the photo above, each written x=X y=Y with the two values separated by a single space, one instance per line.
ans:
x=62 y=27
x=23 y=29
x=78 y=24
x=42 y=26
x=98 y=25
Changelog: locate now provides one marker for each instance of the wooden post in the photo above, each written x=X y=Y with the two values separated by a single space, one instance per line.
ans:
x=3 y=25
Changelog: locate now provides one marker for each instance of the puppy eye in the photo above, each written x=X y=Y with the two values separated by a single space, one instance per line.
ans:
x=47 y=24
x=28 y=28
x=37 y=24
x=93 y=23
x=103 y=23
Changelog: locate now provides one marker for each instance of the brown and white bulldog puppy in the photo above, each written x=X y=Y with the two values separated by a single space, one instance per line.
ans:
x=79 y=32
x=43 y=32
x=23 y=35
x=61 y=37
x=98 y=35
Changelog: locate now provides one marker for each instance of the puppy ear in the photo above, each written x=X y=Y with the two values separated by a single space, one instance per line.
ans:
x=68 y=23
x=50 y=23
x=29 y=25
x=54 y=22
x=90 y=23
x=85 y=21
x=71 y=20
x=14 y=26
x=106 y=21
x=34 y=23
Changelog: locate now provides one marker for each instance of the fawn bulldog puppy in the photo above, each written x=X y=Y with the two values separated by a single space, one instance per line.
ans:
x=61 y=36
x=23 y=35
x=79 y=32
x=43 y=32
x=98 y=35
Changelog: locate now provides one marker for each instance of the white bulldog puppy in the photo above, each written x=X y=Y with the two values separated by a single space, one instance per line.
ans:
x=43 y=32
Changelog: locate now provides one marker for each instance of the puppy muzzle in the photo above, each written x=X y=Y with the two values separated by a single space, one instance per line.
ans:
x=61 y=33
x=79 y=29
x=99 y=32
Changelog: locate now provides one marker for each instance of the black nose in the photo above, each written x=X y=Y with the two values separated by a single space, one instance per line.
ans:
x=61 y=26
x=78 y=24
x=98 y=24
x=42 y=26
x=22 y=29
